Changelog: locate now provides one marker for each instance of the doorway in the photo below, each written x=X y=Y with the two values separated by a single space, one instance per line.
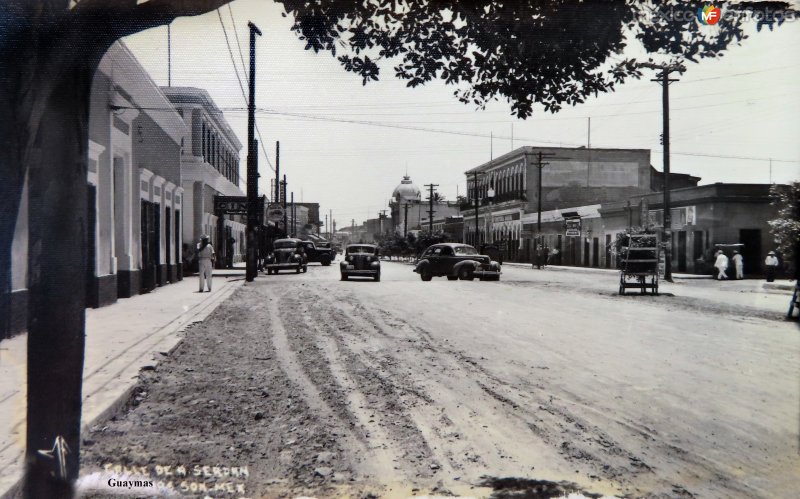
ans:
x=682 y=251
x=751 y=238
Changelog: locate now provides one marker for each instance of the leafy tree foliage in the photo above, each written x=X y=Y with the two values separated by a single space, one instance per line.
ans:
x=786 y=227
x=551 y=52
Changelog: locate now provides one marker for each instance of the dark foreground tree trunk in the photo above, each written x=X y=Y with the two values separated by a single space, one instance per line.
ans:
x=49 y=50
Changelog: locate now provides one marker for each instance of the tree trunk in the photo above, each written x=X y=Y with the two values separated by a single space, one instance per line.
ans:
x=47 y=90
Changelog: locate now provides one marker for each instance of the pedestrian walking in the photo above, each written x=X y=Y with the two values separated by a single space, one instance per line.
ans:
x=721 y=263
x=771 y=263
x=738 y=264
x=205 y=260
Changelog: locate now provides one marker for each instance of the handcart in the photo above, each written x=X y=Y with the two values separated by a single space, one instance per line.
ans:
x=638 y=263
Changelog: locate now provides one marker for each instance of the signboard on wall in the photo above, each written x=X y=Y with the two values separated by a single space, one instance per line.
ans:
x=234 y=205
x=573 y=227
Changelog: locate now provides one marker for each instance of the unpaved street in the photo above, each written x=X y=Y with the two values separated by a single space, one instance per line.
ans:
x=329 y=388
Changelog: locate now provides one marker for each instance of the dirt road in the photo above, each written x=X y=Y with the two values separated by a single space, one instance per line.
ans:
x=398 y=388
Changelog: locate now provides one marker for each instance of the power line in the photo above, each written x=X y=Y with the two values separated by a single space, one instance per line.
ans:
x=241 y=87
x=448 y=132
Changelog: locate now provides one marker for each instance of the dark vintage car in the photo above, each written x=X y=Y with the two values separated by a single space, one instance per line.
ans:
x=318 y=252
x=361 y=260
x=286 y=254
x=456 y=261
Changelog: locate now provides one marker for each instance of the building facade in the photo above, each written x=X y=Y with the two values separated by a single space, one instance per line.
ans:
x=209 y=167
x=135 y=199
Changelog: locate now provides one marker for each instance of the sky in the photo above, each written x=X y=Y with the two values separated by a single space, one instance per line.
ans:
x=729 y=116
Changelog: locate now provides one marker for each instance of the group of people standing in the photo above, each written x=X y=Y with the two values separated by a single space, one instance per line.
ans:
x=722 y=262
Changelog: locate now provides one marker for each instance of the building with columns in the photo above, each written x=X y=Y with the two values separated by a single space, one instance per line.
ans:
x=209 y=167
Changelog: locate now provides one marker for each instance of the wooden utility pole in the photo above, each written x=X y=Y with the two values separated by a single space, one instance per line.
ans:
x=294 y=219
x=431 y=211
x=277 y=171
x=252 y=166
x=540 y=165
x=475 y=175
x=283 y=200
x=405 y=221
x=664 y=79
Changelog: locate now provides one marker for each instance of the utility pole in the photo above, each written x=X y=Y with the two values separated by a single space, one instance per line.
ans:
x=327 y=228
x=405 y=221
x=169 y=55
x=431 y=211
x=277 y=171
x=381 y=218
x=664 y=79
x=475 y=193
x=283 y=200
x=294 y=219
x=540 y=165
x=252 y=164
x=330 y=217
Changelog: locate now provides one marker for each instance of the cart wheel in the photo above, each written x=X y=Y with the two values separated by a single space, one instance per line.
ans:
x=621 y=289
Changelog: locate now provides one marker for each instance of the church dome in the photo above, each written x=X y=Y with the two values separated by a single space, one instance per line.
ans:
x=407 y=191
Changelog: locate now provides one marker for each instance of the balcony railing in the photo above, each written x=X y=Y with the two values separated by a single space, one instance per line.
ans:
x=501 y=198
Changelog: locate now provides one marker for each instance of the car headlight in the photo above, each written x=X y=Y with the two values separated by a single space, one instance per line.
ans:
x=296 y=256
x=350 y=258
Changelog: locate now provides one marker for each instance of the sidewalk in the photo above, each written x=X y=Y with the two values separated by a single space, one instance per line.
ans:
x=755 y=285
x=120 y=340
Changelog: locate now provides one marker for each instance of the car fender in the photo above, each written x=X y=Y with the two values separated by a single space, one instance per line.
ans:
x=472 y=263
x=420 y=264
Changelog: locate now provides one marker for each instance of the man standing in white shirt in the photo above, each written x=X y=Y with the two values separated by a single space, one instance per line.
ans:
x=205 y=262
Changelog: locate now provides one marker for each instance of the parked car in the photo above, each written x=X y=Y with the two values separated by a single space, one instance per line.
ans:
x=361 y=260
x=456 y=261
x=286 y=254
x=317 y=252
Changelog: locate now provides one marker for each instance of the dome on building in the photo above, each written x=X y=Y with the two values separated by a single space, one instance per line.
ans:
x=407 y=191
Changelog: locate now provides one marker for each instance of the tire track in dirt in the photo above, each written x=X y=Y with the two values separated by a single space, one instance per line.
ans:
x=458 y=415
x=293 y=368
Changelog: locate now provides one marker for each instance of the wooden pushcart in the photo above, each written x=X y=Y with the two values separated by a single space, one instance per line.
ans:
x=638 y=263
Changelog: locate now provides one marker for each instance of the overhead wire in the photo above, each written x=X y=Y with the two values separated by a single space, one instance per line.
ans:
x=241 y=87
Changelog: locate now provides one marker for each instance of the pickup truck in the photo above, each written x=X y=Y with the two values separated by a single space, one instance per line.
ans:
x=317 y=252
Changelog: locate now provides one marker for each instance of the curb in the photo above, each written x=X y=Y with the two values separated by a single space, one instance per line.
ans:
x=115 y=406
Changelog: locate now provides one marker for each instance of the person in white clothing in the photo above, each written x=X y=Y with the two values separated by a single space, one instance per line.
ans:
x=738 y=264
x=721 y=264
x=205 y=262
x=771 y=262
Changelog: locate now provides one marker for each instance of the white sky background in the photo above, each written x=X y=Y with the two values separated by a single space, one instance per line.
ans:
x=745 y=104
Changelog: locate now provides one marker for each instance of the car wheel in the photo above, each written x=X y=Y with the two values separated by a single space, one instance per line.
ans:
x=465 y=275
x=452 y=277
x=305 y=268
x=425 y=275
x=377 y=278
x=344 y=277
x=325 y=262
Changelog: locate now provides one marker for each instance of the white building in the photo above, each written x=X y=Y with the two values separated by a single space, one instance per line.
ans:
x=209 y=167
x=135 y=197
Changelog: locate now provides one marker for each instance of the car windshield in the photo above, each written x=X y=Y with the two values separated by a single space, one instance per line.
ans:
x=285 y=244
x=361 y=249
x=465 y=250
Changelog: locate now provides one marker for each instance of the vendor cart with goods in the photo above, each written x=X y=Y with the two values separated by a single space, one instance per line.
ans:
x=638 y=263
